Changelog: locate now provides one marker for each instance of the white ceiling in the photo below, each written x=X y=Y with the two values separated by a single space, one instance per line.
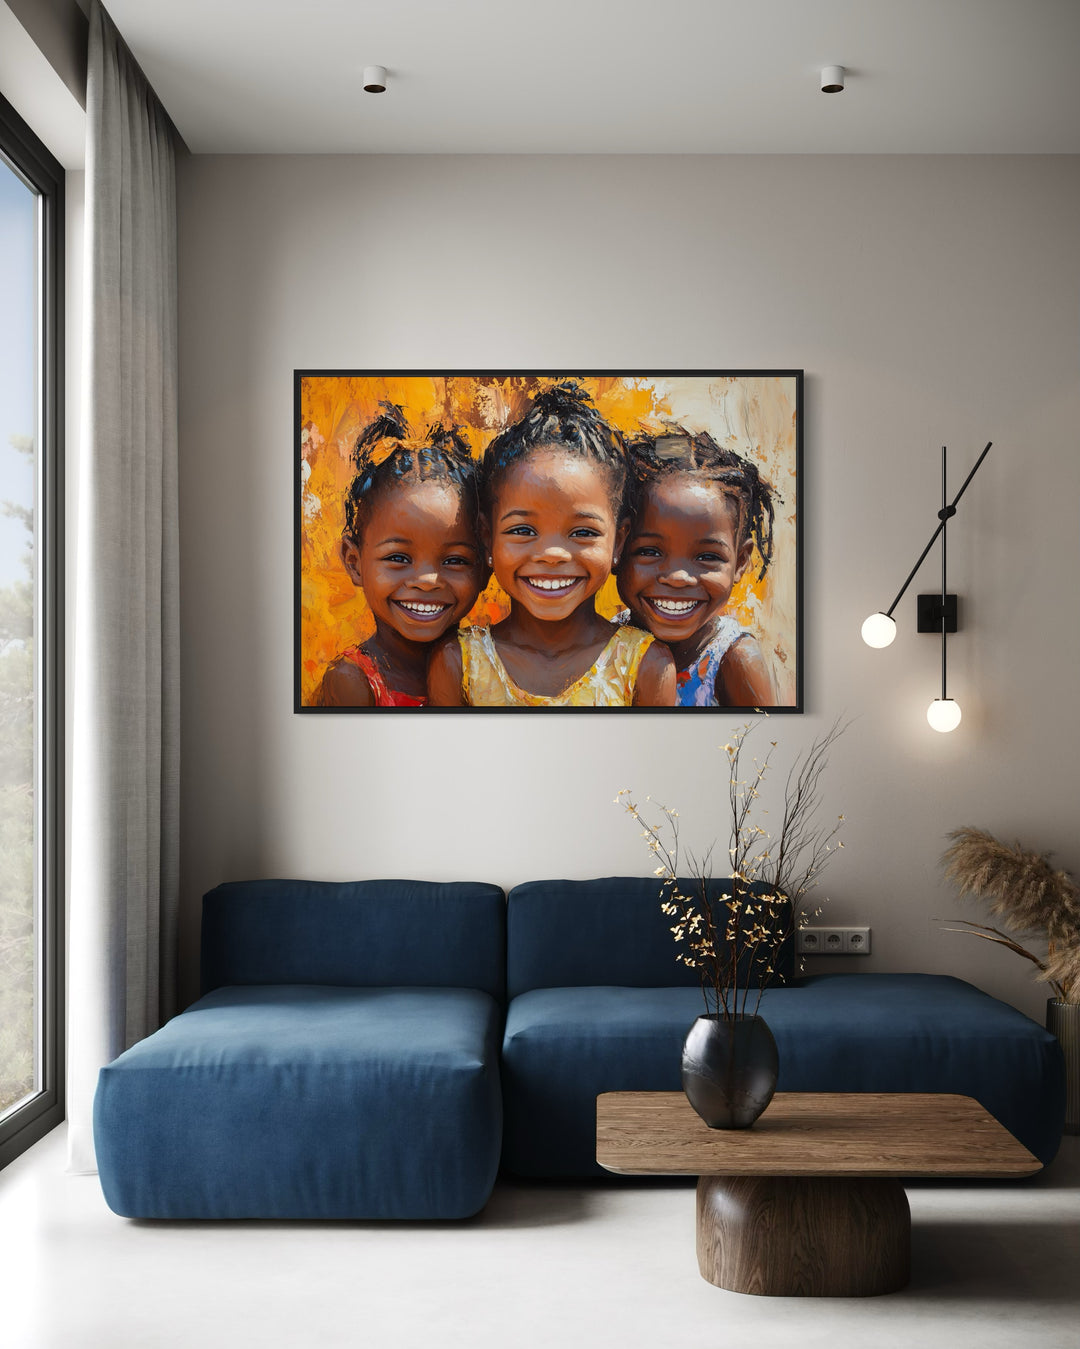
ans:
x=614 y=76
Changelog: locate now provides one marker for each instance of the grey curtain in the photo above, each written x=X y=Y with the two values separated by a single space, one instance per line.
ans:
x=125 y=734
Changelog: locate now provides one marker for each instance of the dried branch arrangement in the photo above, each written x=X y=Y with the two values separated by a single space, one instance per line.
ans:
x=1030 y=898
x=733 y=941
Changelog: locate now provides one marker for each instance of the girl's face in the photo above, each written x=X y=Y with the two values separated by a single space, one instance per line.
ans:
x=554 y=532
x=418 y=560
x=683 y=557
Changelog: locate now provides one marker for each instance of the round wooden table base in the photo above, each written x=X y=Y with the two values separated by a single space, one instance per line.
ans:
x=803 y=1236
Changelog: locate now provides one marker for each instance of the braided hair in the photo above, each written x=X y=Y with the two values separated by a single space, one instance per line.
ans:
x=386 y=454
x=563 y=417
x=699 y=456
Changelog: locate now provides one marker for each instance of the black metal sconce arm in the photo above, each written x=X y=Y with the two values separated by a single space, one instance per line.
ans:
x=944 y=516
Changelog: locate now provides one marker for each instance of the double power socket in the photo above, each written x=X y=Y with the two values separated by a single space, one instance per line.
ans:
x=833 y=941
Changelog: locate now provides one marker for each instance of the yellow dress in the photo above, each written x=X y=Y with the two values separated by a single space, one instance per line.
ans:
x=609 y=682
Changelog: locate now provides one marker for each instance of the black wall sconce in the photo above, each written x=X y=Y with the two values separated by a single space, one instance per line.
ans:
x=937 y=612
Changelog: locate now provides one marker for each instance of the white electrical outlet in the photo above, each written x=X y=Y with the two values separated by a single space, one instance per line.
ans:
x=833 y=941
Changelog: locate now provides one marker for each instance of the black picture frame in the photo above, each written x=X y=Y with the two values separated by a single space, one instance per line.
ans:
x=332 y=405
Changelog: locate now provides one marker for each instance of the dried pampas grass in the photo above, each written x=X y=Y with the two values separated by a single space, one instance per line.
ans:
x=1030 y=898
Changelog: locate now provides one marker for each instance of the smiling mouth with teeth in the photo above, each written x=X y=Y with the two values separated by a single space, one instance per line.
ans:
x=674 y=608
x=551 y=584
x=420 y=609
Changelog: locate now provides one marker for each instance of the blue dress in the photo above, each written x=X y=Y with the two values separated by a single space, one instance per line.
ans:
x=696 y=685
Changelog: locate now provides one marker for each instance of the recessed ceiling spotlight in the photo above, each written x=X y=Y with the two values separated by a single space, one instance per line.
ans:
x=832 y=79
x=375 y=79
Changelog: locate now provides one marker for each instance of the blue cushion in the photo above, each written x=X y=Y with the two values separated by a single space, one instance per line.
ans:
x=306 y=1102
x=564 y=934
x=377 y=934
x=842 y=1032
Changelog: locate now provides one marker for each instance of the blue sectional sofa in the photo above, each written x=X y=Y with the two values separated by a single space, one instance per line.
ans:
x=598 y=1003
x=344 y=1060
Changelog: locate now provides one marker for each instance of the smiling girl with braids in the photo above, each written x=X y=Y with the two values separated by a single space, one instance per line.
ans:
x=699 y=510
x=552 y=517
x=410 y=543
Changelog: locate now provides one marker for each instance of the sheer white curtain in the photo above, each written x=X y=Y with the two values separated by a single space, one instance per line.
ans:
x=125 y=733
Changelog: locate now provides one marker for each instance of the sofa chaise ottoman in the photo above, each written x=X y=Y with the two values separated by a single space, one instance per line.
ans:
x=599 y=1003
x=341 y=1063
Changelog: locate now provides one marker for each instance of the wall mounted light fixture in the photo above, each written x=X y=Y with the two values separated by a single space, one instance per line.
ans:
x=936 y=613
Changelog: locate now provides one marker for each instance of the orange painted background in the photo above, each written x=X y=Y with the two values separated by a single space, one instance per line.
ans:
x=755 y=416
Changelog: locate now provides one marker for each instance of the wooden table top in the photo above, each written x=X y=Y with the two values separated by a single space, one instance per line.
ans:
x=809 y=1134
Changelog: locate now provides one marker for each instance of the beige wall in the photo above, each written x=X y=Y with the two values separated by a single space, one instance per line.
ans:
x=59 y=29
x=43 y=72
x=930 y=301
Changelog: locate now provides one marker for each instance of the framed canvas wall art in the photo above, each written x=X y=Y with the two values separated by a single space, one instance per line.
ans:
x=548 y=541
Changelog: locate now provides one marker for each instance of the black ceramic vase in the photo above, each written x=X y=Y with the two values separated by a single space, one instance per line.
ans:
x=729 y=1068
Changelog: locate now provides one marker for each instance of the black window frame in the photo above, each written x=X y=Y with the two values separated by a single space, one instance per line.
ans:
x=33 y=162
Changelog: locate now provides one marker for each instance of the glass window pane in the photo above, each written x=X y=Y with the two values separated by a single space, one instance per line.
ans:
x=20 y=1000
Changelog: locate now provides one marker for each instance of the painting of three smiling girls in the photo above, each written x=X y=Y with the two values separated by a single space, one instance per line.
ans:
x=553 y=542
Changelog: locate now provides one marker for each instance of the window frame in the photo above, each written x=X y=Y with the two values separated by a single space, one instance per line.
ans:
x=32 y=161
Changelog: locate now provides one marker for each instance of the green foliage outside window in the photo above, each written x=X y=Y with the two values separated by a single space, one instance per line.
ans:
x=17 y=889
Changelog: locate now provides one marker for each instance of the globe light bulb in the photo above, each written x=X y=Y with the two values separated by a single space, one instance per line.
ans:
x=943 y=714
x=878 y=630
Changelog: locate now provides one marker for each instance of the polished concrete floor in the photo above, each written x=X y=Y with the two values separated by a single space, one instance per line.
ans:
x=996 y=1265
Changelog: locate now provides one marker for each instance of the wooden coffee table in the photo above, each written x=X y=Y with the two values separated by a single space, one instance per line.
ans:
x=807 y=1202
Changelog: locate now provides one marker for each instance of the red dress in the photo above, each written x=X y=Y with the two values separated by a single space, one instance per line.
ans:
x=384 y=695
